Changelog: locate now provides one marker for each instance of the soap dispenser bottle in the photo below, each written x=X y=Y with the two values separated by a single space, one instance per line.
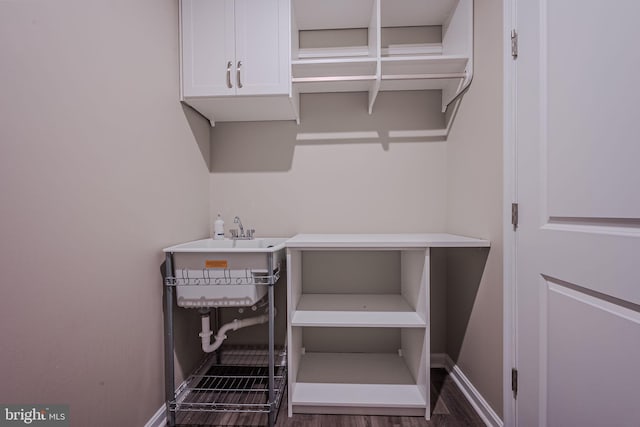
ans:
x=218 y=228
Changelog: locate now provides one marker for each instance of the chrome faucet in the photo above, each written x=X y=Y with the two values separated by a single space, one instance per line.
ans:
x=242 y=235
x=236 y=220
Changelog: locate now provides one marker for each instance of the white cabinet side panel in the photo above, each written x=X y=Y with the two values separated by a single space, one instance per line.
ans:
x=412 y=280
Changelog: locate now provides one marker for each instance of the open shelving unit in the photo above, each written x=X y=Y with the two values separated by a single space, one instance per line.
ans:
x=335 y=66
x=358 y=322
x=397 y=45
x=429 y=60
x=340 y=378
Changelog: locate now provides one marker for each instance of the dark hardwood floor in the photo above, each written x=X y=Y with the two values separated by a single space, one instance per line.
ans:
x=449 y=408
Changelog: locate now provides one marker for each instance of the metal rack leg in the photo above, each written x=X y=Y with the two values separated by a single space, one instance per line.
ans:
x=272 y=403
x=169 y=382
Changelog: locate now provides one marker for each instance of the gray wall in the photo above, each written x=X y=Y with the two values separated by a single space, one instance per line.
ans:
x=474 y=207
x=281 y=183
x=100 y=168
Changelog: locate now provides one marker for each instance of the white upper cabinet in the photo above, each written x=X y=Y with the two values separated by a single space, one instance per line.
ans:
x=236 y=59
x=235 y=47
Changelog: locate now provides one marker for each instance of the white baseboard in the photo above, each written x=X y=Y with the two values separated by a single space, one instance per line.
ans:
x=159 y=419
x=481 y=406
x=438 y=360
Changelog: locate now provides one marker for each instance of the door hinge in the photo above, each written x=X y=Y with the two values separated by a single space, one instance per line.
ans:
x=514 y=44
x=514 y=382
x=514 y=215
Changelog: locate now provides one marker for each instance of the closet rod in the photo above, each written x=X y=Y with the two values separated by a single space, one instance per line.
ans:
x=331 y=79
x=424 y=76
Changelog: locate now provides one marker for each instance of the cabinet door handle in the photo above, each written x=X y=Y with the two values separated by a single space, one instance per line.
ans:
x=229 y=85
x=238 y=81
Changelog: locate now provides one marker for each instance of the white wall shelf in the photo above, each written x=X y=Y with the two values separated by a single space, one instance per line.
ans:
x=333 y=52
x=307 y=396
x=351 y=68
x=359 y=310
x=424 y=65
x=404 y=63
x=334 y=67
x=354 y=368
x=411 y=49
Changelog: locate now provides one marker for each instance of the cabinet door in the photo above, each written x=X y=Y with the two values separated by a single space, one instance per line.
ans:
x=208 y=47
x=262 y=47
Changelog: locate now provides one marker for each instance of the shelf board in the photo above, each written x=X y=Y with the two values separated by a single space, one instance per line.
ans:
x=334 y=67
x=358 y=395
x=417 y=84
x=333 y=60
x=333 y=52
x=354 y=368
x=423 y=64
x=357 y=380
x=383 y=241
x=361 y=310
x=331 y=85
x=412 y=49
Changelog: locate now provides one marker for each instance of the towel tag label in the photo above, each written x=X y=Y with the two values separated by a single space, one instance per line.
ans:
x=216 y=263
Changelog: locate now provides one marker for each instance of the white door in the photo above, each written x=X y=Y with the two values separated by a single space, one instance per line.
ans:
x=577 y=286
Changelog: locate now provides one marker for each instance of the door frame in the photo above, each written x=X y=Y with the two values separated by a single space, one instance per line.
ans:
x=510 y=195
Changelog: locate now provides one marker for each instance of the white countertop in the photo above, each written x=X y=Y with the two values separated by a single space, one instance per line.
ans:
x=408 y=240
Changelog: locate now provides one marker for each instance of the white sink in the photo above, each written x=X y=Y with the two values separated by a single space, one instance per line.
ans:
x=225 y=273
x=260 y=244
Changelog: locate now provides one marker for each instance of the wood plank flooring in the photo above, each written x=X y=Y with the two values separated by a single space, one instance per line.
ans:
x=449 y=409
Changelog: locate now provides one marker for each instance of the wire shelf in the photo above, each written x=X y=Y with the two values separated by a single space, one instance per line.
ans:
x=238 y=384
x=224 y=277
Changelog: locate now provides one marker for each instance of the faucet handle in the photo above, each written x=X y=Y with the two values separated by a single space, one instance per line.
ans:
x=234 y=233
x=250 y=233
